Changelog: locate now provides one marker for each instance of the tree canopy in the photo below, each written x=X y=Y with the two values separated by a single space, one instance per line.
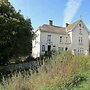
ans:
x=15 y=33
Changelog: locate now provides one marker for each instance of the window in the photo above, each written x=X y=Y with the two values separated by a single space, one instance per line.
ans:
x=80 y=50
x=75 y=52
x=60 y=49
x=66 y=49
x=60 y=39
x=80 y=40
x=49 y=38
x=79 y=25
x=81 y=31
x=54 y=48
x=43 y=48
x=66 y=39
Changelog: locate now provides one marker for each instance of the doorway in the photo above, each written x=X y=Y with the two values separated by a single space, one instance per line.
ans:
x=66 y=49
x=49 y=47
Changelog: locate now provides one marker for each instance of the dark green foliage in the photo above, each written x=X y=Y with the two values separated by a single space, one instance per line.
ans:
x=15 y=33
x=49 y=54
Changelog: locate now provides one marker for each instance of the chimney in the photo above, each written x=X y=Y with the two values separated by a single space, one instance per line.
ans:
x=67 y=24
x=50 y=22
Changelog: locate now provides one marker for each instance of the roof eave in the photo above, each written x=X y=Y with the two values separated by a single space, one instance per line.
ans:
x=54 y=32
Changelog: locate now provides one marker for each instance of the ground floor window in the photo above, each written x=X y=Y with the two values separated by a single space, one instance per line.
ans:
x=60 y=49
x=43 y=48
x=75 y=52
x=54 y=48
x=80 y=50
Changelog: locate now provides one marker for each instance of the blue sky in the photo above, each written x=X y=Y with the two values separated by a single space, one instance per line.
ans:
x=60 y=11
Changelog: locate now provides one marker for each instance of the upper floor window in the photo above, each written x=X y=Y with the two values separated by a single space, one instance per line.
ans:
x=80 y=40
x=66 y=39
x=80 y=31
x=49 y=38
x=60 y=39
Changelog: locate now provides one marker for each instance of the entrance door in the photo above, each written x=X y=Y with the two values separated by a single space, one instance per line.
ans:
x=49 y=47
x=66 y=49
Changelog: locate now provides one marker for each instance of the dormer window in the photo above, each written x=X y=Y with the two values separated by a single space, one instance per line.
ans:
x=79 y=25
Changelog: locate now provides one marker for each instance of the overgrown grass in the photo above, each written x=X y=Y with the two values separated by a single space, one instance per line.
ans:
x=62 y=72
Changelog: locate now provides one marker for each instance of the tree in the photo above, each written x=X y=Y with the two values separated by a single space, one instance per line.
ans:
x=15 y=33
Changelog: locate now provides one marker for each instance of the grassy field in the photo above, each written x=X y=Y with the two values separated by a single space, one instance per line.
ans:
x=61 y=72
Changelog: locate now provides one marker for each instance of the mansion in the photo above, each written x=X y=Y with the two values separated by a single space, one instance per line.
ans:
x=73 y=37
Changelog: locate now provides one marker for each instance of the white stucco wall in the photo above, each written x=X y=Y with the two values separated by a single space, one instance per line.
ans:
x=36 y=45
x=55 y=41
x=75 y=39
x=72 y=41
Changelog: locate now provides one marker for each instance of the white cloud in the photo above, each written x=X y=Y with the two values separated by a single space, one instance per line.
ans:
x=70 y=10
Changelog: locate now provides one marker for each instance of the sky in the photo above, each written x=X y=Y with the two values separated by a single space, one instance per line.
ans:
x=60 y=11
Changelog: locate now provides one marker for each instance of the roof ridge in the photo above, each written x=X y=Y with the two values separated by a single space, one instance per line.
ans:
x=54 y=26
x=53 y=29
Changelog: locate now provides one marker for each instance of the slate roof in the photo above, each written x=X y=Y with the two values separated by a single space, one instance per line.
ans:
x=53 y=29
x=58 y=29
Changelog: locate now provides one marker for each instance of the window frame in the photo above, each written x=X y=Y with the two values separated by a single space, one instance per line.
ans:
x=66 y=39
x=49 y=38
x=80 y=24
x=61 y=39
x=80 y=31
x=43 y=48
x=60 y=49
x=80 y=40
